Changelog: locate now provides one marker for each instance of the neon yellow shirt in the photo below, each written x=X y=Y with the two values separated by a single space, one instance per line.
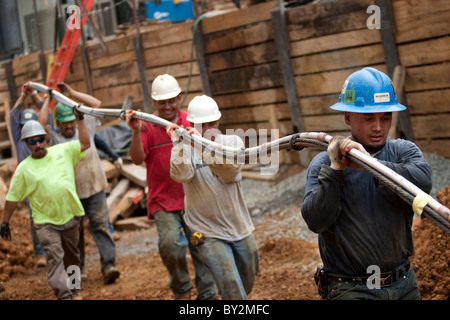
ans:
x=50 y=184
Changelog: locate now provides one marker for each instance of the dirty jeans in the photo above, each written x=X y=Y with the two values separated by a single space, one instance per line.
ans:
x=96 y=210
x=234 y=265
x=60 y=244
x=403 y=289
x=173 y=244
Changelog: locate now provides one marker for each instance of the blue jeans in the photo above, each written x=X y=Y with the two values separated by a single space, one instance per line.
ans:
x=96 y=209
x=173 y=244
x=234 y=265
x=38 y=250
x=403 y=289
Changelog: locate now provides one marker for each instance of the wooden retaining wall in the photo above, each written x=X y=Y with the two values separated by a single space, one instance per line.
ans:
x=247 y=70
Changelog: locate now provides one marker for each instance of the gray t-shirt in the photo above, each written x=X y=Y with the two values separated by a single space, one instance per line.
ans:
x=214 y=202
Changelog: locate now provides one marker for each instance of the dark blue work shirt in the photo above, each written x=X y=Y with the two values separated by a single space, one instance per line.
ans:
x=358 y=222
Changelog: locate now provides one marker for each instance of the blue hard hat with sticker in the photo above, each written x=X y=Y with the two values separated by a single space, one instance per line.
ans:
x=368 y=91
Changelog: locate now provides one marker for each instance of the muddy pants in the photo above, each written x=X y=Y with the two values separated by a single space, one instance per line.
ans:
x=234 y=265
x=60 y=244
x=173 y=244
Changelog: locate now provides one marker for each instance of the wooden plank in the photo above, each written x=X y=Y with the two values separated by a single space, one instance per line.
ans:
x=425 y=52
x=321 y=19
x=111 y=60
x=319 y=105
x=431 y=126
x=433 y=101
x=416 y=20
x=325 y=82
x=326 y=123
x=26 y=64
x=171 y=54
x=245 y=56
x=113 y=98
x=336 y=41
x=136 y=174
x=427 y=77
x=255 y=114
x=115 y=195
x=436 y=146
x=113 y=76
x=239 y=37
x=246 y=79
x=251 y=98
x=133 y=223
x=405 y=9
x=110 y=169
x=181 y=69
x=125 y=202
x=334 y=60
x=169 y=34
x=115 y=46
x=239 y=18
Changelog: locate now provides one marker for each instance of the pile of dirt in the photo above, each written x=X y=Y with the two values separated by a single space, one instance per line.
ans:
x=432 y=256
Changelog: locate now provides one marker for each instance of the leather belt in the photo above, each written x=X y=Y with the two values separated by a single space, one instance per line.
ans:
x=386 y=278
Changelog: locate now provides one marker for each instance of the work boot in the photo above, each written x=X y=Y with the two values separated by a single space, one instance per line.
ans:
x=110 y=275
x=41 y=262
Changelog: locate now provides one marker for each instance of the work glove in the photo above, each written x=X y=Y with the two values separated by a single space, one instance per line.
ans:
x=334 y=152
x=133 y=123
x=346 y=145
x=5 y=232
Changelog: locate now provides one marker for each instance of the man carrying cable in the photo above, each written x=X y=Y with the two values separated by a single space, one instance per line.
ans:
x=365 y=236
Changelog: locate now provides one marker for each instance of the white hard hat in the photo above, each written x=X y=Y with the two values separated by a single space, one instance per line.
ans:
x=203 y=109
x=165 y=87
x=32 y=128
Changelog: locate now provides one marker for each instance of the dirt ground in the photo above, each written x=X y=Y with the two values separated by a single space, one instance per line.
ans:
x=287 y=260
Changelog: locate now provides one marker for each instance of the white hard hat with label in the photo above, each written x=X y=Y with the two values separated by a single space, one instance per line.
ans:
x=203 y=109
x=165 y=87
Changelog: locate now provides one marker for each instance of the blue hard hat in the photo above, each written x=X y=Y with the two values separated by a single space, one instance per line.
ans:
x=368 y=91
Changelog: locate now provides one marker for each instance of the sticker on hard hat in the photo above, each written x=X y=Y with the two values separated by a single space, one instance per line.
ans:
x=344 y=87
x=28 y=116
x=349 y=97
x=381 y=97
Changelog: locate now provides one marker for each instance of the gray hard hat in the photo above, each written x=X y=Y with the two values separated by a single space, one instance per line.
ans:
x=32 y=128
x=27 y=115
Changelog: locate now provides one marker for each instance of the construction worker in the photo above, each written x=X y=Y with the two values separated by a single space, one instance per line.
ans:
x=150 y=144
x=216 y=212
x=47 y=177
x=90 y=180
x=23 y=111
x=365 y=236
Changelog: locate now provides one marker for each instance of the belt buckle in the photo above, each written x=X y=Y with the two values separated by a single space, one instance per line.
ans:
x=386 y=281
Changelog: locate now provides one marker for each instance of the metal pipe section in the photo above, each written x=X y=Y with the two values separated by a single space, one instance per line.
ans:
x=243 y=154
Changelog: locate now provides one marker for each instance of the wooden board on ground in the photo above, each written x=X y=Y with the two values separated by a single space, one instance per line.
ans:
x=137 y=174
x=133 y=223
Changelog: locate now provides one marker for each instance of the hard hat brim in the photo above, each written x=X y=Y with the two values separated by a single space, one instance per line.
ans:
x=68 y=118
x=166 y=96
x=368 y=109
x=207 y=119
